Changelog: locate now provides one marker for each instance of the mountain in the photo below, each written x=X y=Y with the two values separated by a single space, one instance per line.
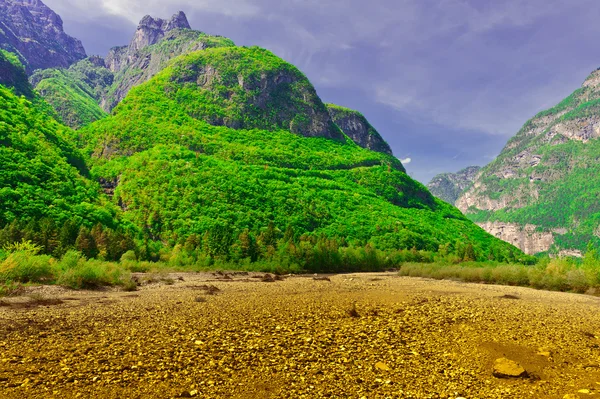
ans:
x=234 y=141
x=356 y=126
x=35 y=33
x=42 y=173
x=221 y=149
x=541 y=193
x=90 y=89
x=76 y=92
x=449 y=186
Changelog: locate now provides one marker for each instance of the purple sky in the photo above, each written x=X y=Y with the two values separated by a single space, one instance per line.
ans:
x=445 y=82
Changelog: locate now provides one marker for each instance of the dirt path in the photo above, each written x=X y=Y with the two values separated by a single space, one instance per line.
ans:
x=355 y=336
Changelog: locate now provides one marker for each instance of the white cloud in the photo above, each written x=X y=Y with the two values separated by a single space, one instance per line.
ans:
x=134 y=10
x=406 y=161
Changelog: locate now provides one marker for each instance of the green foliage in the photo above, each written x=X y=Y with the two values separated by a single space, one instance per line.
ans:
x=23 y=246
x=25 y=267
x=74 y=101
x=246 y=88
x=41 y=174
x=561 y=274
x=77 y=272
x=157 y=56
x=12 y=74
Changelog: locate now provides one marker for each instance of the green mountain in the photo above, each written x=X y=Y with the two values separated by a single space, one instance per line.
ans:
x=234 y=142
x=541 y=193
x=75 y=93
x=212 y=152
x=42 y=173
x=91 y=88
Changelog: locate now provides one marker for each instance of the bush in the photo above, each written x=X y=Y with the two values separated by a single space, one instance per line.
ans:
x=94 y=274
x=24 y=267
x=549 y=274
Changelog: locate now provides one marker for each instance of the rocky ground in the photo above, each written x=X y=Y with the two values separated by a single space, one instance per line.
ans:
x=247 y=336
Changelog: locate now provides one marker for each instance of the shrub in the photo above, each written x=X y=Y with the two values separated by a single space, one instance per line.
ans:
x=24 y=267
x=94 y=274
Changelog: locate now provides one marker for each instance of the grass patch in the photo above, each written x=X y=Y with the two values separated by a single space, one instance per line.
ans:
x=549 y=274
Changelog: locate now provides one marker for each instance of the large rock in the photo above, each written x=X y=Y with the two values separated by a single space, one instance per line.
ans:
x=33 y=31
x=506 y=368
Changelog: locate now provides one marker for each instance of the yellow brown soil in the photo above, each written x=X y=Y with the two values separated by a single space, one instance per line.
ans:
x=355 y=336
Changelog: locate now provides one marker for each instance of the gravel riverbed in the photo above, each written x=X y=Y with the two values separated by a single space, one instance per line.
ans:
x=239 y=335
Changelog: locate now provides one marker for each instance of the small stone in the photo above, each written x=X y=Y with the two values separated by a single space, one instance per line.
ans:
x=571 y=396
x=505 y=368
x=382 y=366
x=586 y=391
x=193 y=392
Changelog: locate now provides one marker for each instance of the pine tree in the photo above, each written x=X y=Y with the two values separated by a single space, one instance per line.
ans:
x=85 y=243
x=48 y=235
x=67 y=236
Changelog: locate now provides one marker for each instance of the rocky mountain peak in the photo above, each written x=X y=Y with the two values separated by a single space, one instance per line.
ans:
x=33 y=31
x=150 y=30
x=449 y=186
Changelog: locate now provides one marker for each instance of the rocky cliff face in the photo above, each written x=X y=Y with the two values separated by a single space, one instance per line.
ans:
x=543 y=178
x=151 y=30
x=449 y=186
x=250 y=88
x=35 y=33
x=356 y=126
x=525 y=237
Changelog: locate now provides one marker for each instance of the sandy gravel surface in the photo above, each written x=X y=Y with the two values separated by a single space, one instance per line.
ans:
x=355 y=336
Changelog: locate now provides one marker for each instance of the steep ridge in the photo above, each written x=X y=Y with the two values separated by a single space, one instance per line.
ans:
x=35 y=33
x=540 y=190
x=93 y=87
x=260 y=162
x=449 y=186
x=356 y=126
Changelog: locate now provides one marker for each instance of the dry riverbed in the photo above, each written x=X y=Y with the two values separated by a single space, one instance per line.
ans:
x=349 y=336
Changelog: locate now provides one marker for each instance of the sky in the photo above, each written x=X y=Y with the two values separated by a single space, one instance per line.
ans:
x=445 y=82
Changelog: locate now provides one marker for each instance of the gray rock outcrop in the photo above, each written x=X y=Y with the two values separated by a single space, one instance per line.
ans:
x=35 y=33
x=449 y=186
x=356 y=126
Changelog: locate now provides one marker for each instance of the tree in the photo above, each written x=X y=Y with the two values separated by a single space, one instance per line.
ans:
x=85 y=243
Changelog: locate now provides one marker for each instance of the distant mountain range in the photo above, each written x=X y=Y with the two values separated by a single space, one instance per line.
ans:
x=449 y=186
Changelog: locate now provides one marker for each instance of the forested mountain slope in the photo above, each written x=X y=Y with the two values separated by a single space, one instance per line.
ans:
x=42 y=173
x=90 y=89
x=542 y=192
